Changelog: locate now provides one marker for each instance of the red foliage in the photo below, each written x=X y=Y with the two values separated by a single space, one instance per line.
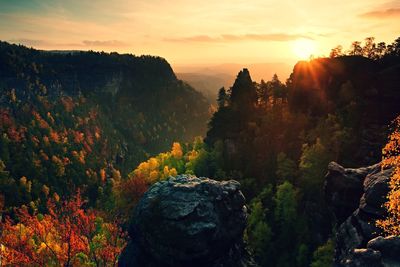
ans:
x=5 y=119
x=66 y=236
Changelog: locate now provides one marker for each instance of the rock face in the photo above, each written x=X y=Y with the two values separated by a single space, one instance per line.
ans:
x=356 y=197
x=188 y=221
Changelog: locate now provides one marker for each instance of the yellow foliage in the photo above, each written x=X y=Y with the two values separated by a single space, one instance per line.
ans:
x=45 y=190
x=116 y=175
x=153 y=176
x=192 y=155
x=23 y=180
x=177 y=150
x=166 y=171
x=56 y=197
x=173 y=172
x=391 y=158
x=153 y=164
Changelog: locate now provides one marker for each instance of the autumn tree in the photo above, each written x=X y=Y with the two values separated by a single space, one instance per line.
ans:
x=391 y=159
x=67 y=235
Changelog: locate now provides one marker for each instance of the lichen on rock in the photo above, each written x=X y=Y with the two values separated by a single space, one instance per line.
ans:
x=188 y=221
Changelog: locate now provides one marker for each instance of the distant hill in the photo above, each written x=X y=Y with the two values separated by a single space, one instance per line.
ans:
x=73 y=119
x=209 y=79
x=207 y=84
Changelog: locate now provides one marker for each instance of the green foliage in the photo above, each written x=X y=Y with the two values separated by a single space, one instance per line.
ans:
x=286 y=204
x=313 y=163
x=259 y=233
x=84 y=119
x=286 y=169
x=277 y=139
x=302 y=255
x=323 y=256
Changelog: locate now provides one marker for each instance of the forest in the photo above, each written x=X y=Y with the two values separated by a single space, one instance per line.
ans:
x=85 y=134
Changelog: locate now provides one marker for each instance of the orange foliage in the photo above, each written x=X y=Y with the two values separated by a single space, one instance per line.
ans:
x=97 y=132
x=130 y=191
x=46 y=140
x=103 y=175
x=41 y=122
x=54 y=137
x=177 y=150
x=93 y=114
x=78 y=137
x=66 y=236
x=60 y=168
x=87 y=147
x=68 y=103
x=44 y=155
x=50 y=117
x=89 y=137
x=35 y=140
x=16 y=135
x=391 y=158
x=80 y=156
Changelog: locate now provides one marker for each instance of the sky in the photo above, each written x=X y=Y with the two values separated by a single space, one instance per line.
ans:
x=200 y=32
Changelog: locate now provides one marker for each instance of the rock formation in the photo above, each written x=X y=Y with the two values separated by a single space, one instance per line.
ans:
x=356 y=197
x=188 y=221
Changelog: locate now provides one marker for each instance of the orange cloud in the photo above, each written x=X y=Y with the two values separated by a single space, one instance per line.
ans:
x=113 y=43
x=382 y=14
x=277 y=37
x=84 y=43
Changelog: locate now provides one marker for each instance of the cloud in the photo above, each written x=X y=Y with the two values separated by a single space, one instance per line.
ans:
x=382 y=14
x=29 y=42
x=277 y=37
x=84 y=44
x=113 y=43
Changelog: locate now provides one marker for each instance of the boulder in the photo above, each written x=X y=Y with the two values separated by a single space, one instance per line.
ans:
x=188 y=221
x=357 y=197
x=344 y=188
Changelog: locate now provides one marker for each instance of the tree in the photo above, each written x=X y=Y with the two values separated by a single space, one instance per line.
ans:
x=313 y=162
x=381 y=49
x=285 y=199
x=286 y=168
x=336 y=52
x=356 y=49
x=394 y=48
x=323 y=256
x=243 y=92
x=263 y=94
x=285 y=216
x=67 y=235
x=276 y=88
x=222 y=98
x=259 y=234
x=369 y=49
x=391 y=159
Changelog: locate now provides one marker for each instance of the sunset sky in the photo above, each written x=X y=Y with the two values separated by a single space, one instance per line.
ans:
x=199 y=32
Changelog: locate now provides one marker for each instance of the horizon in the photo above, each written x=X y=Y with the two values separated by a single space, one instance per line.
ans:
x=187 y=33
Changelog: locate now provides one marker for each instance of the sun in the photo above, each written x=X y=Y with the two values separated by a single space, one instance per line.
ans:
x=303 y=48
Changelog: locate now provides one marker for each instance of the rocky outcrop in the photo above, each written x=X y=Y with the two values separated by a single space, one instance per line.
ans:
x=356 y=197
x=188 y=221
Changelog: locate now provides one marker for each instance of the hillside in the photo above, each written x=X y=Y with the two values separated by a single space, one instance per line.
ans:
x=77 y=119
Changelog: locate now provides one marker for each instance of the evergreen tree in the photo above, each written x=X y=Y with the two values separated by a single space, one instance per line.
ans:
x=222 y=98
x=243 y=92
